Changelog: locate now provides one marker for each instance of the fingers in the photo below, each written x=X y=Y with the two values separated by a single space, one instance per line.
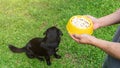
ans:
x=95 y=22
x=91 y=17
x=75 y=37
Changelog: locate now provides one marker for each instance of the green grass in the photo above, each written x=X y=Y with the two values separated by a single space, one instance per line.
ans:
x=21 y=20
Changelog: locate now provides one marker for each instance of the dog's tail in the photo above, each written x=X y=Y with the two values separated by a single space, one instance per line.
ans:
x=16 y=50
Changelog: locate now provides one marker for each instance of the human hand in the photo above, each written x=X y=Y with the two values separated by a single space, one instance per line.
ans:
x=84 y=38
x=95 y=21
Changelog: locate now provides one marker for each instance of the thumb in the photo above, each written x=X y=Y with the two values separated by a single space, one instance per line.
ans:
x=91 y=17
x=77 y=36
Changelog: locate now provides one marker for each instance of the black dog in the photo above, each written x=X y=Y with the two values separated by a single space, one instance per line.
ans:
x=41 y=48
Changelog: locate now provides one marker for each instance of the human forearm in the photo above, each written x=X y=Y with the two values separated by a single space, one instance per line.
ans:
x=110 y=19
x=110 y=48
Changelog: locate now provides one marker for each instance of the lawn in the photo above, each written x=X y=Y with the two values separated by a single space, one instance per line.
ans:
x=21 y=20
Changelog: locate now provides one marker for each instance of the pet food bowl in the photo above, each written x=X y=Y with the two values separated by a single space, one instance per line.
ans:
x=80 y=25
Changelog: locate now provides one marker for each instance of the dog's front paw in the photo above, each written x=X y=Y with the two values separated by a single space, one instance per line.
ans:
x=41 y=59
x=48 y=63
x=57 y=56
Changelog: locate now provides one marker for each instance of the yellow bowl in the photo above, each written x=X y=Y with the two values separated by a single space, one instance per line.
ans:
x=72 y=28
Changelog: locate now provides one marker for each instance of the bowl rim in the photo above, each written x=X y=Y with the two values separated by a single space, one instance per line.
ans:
x=85 y=17
x=70 y=25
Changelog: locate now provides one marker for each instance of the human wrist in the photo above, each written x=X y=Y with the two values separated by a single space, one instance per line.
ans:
x=98 y=43
x=99 y=22
x=92 y=40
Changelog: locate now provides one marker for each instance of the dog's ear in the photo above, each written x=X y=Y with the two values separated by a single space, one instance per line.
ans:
x=60 y=32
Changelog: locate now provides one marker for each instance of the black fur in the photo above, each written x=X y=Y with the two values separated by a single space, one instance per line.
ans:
x=41 y=48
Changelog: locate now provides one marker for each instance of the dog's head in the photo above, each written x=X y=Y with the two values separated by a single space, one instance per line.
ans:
x=53 y=31
x=52 y=37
